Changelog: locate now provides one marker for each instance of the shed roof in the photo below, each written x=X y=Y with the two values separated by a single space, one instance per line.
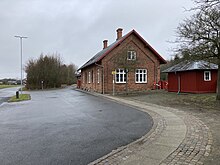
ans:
x=191 y=65
x=100 y=55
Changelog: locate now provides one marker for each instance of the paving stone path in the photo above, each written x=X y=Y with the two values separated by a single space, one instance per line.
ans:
x=195 y=147
x=176 y=138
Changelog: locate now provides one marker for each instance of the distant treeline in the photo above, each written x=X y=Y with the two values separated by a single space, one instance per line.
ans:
x=10 y=81
x=48 y=71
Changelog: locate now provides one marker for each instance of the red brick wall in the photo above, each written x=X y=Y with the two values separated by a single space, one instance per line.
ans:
x=145 y=60
x=93 y=85
x=115 y=59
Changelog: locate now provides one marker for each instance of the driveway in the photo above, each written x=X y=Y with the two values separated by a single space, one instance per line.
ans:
x=66 y=127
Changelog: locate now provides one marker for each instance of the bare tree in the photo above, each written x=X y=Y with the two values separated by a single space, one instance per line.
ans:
x=49 y=72
x=206 y=4
x=199 y=35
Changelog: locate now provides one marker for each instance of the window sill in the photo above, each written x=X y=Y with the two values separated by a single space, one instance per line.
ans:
x=120 y=82
x=140 y=82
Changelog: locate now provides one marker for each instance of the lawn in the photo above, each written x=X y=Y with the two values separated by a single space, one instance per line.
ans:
x=22 y=97
x=164 y=98
x=7 y=86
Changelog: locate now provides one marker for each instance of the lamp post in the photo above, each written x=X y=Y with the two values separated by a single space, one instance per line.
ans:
x=21 y=37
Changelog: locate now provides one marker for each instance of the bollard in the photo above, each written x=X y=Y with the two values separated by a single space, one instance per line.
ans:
x=17 y=94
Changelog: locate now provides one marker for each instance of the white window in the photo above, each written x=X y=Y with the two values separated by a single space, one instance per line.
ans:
x=120 y=76
x=93 y=77
x=131 y=55
x=98 y=77
x=141 y=76
x=89 y=77
x=207 y=75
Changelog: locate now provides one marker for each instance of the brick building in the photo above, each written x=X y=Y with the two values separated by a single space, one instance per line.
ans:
x=129 y=64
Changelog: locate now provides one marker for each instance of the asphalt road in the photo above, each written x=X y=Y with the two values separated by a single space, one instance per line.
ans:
x=66 y=127
x=6 y=93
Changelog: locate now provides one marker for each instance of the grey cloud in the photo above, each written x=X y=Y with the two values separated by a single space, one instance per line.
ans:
x=76 y=28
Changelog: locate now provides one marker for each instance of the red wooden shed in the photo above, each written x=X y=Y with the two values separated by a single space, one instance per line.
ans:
x=192 y=77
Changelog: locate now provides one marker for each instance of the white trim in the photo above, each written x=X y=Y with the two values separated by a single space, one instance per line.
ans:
x=207 y=77
x=89 y=77
x=120 y=76
x=141 y=76
x=98 y=76
x=131 y=55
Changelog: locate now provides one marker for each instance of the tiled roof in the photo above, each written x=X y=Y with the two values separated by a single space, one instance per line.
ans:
x=191 y=65
x=96 y=58
x=105 y=51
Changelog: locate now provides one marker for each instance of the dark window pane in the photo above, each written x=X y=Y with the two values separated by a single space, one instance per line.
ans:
x=121 y=77
x=136 y=77
x=117 y=77
x=129 y=55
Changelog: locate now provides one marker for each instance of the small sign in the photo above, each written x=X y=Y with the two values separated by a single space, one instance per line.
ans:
x=113 y=72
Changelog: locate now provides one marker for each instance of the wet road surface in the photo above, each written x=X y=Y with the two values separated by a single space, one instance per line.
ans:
x=66 y=127
x=6 y=93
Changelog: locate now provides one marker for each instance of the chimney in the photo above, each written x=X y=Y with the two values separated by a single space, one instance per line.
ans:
x=119 y=33
x=105 y=44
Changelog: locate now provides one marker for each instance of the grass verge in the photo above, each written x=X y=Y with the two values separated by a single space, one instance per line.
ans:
x=7 y=86
x=160 y=97
x=22 y=97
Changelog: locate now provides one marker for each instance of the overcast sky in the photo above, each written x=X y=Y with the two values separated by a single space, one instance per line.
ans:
x=76 y=28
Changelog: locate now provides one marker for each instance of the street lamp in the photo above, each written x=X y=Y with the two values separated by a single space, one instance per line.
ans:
x=21 y=37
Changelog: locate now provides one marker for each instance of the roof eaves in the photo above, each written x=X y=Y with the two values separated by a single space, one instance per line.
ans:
x=189 y=66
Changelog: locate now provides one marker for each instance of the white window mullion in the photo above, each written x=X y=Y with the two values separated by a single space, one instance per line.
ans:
x=89 y=78
x=207 y=75
x=131 y=55
x=98 y=76
x=141 y=76
x=120 y=76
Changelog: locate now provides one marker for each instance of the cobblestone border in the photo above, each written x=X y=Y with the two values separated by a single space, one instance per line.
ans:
x=196 y=145
x=192 y=151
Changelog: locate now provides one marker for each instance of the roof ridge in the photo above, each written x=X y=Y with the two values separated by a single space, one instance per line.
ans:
x=101 y=54
x=191 y=65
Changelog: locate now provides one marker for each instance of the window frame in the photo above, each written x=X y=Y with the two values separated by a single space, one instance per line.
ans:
x=120 y=72
x=98 y=76
x=209 y=77
x=129 y=57
x=140 y=76
x=89 y=77
x=83 y=77
x=92 y=75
